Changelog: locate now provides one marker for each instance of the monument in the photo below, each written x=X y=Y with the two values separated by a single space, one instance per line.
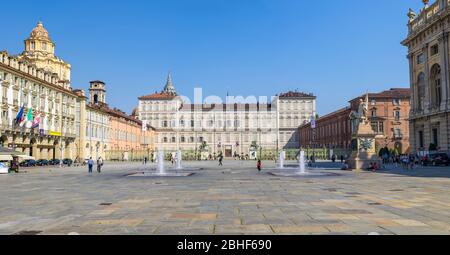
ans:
x=363 y=139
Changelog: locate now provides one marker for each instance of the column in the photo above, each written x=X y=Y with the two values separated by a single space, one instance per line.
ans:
x=427 y=101
x=413 y=82
x=443 y=50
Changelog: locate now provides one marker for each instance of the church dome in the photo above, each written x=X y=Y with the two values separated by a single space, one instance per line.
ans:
x=39 y=32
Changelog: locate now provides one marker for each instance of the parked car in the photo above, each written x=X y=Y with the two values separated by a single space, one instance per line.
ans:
x=67 y=161
x=54 y=162
x=437 y=159
x=28 y=163
x=42 y=162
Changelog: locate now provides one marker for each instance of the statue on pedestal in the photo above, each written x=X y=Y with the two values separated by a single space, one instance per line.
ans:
x=363 y=138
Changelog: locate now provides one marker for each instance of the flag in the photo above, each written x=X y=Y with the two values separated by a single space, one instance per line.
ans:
x=37 y=121
x=28 y=120
x=20 y=115
x=313 y=122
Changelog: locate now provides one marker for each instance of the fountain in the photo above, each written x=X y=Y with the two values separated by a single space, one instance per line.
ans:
x=294 y=171
x=161 y=170
x=179 y=158
x=302 y=165
x=282 y=156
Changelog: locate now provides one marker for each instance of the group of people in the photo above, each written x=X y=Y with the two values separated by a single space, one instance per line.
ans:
x=90 y=164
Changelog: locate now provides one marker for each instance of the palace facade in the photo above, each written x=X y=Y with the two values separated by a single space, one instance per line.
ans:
x=229 y=129
x=428 y=55
x=72 y=125
x=39 y=80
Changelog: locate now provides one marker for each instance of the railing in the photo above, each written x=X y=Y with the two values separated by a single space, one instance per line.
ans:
x=425 y=14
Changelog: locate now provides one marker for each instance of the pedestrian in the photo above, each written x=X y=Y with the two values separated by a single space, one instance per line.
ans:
x=99 y=164
x=90 y=165
x=259 y=165
x=342 y=158
x=220 y=160
x=333 y=158
x=145 y=160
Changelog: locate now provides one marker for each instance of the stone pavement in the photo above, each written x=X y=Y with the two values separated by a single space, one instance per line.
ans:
x=234 y=199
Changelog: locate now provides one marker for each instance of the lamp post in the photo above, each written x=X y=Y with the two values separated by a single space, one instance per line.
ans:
x=61 y=152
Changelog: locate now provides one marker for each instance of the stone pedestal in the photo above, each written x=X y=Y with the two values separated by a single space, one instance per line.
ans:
x=363 y=148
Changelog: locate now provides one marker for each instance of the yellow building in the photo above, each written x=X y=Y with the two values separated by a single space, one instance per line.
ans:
x=37 y=79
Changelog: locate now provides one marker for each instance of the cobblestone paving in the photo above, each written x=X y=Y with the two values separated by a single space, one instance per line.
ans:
x=234 y=199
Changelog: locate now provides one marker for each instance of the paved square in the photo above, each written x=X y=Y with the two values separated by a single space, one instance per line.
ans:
x=233 y=199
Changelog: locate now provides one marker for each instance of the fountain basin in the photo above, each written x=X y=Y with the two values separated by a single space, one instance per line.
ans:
x=156 y=174
x=299 y=174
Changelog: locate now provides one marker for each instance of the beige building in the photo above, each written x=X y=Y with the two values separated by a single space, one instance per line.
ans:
x=230 y=129
x=25 y=80
x=428 y=54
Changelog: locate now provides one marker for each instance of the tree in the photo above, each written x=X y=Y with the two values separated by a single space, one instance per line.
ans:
x=254 y=145
x=432 y=147
x=203 y=147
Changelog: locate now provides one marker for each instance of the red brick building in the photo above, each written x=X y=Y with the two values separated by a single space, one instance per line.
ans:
x=332 y=131
x=389 y=116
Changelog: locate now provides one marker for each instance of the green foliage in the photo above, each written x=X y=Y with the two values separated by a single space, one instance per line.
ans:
x=432 y=147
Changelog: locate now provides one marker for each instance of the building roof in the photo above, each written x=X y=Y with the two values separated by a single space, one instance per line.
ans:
x=225 y=107
x=296 y=94
x=400 y=93
x=330 y=115
x=158 y=96
x=40 y=33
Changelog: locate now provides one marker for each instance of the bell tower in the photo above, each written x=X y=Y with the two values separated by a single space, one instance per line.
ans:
x=97 y=93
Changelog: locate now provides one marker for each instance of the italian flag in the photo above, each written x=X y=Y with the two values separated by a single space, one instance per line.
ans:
x=29 y=119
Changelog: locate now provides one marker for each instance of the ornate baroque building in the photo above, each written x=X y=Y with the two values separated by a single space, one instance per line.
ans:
x=71 y=126
x=429 y=67
x=230 y=129
x=39 y=80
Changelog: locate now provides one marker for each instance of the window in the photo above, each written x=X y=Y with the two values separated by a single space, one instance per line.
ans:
x=174 y=140
x=44 y=46
x=435 y=137
x=397 y=133
x=374 y=126
x=374 y=113
x=420 y=91
x=420 y=59
x=434 y=50
x=421 y=142
x=33 y=45
x=165 y=140
x=436 y=90
x=397 y=115
x=396 y=101
x=183 y=139
x=164 y=123
x=373 y=102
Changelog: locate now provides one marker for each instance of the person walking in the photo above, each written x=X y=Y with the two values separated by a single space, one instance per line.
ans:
x=145 y=160
x=90 y=165
x=99 y=164
x=220 y=160
x=259 y=165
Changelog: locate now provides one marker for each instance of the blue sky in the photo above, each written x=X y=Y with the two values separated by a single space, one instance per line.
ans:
x=334 y=49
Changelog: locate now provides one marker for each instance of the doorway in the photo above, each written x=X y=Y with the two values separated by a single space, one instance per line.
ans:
x=228 y=151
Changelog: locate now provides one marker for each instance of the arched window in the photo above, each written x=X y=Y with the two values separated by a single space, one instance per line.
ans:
x=435 y=81
x=420 y=91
